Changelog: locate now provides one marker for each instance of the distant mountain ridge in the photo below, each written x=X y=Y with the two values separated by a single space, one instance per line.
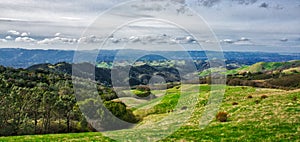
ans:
x=23 y=58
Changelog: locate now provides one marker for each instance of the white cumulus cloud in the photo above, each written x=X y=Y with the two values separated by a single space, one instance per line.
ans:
x=244 y=39
x=134 y=39
x=25 y=34
x=57 y=34
x=8 y=37
x=3 y=40
x=13 y=32
x=58 y=40
x=230 y=41
x=89 y=39
x=24 y=39
x=284 y=39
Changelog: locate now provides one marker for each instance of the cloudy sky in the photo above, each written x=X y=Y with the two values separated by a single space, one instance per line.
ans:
x=240 y=25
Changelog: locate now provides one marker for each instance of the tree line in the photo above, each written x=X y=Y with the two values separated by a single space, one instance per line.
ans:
x=41 y=102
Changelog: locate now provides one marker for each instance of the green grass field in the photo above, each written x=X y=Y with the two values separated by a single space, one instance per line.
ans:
x=274 y=117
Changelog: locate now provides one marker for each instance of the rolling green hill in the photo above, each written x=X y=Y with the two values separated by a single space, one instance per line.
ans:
x=263 y=67
x=254 y=114
x=260 y=67
x=280 y=75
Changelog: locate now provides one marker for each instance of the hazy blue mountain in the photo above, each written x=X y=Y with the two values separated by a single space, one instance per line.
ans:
x=23 y=58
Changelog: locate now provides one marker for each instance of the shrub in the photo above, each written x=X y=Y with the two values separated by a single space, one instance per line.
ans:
x=222 y=116
x=142 y=91
x=257 y=101
x=143 y=88
x=235 y=103
x=289 y=82
x=184 y=108
x=119 y=110
x=295 y=98
x=264 y=97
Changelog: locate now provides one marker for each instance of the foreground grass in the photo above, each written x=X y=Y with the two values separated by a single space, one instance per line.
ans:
x=89 y=136
x=275 y=117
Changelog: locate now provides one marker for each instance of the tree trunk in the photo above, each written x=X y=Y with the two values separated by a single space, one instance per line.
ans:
x=68 y=122
x=35 y=122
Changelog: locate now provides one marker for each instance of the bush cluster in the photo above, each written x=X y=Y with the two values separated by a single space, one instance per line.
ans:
x=142 y=91
x=222 y=116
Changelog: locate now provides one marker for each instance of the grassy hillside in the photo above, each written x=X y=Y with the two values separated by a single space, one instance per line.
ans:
x=253 y=115
x=260 y=67
x=286 y=67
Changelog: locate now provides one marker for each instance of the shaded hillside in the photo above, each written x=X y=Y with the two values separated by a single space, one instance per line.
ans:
x=137 y=75
x=284 y=75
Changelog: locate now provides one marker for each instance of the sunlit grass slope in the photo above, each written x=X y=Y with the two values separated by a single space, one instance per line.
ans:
x=255 y=114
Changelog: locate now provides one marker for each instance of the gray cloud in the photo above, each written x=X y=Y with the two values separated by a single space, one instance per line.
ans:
x=3 y=19
x=264 y=5
x=245 y=2
x=211 y=3
x=208 y=3
x=179 y=1
x=152 y=7
x=241 y=41
x=43 y=19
